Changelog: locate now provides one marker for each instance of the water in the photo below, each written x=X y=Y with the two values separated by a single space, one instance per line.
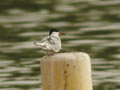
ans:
x=92 y=26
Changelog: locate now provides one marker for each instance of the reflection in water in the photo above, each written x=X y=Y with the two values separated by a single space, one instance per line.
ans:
x=91 y=26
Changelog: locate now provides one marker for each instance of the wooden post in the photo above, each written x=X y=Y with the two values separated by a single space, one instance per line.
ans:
x=66 y=71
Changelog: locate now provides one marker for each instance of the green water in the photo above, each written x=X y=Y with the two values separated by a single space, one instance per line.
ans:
x=91 y=26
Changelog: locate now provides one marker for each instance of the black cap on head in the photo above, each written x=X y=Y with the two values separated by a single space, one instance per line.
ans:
x=53 y=30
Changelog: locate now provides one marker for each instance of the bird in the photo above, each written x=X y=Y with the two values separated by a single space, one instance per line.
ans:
x=51 y=43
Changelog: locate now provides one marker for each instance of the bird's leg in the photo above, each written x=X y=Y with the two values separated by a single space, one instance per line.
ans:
x=53 y=53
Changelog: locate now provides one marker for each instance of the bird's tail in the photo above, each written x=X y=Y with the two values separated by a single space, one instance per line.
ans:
x=38 y=44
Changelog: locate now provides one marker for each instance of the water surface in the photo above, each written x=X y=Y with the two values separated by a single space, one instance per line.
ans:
x=92 y=26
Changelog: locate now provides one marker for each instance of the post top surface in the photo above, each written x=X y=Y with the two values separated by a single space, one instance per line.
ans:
x=68 y=56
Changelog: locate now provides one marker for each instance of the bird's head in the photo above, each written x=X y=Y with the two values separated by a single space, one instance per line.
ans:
x=55 y=32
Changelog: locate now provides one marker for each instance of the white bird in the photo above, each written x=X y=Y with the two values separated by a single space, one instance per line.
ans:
x=51 y=42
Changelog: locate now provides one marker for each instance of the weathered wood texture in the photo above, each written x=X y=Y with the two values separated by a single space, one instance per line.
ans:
x=66 y=71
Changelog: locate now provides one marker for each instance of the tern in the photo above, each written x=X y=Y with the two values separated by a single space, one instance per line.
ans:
x=51 y=42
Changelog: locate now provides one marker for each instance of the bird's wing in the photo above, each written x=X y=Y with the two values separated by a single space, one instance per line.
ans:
x=47 y=40
x=44 y=39
x=47 y=43
x=51 y=41
x=42 y=43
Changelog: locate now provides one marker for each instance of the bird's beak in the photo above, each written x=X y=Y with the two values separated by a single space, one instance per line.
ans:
x=61 y=33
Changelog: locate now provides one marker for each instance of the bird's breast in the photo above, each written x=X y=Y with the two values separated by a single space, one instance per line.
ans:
x=57 y=45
